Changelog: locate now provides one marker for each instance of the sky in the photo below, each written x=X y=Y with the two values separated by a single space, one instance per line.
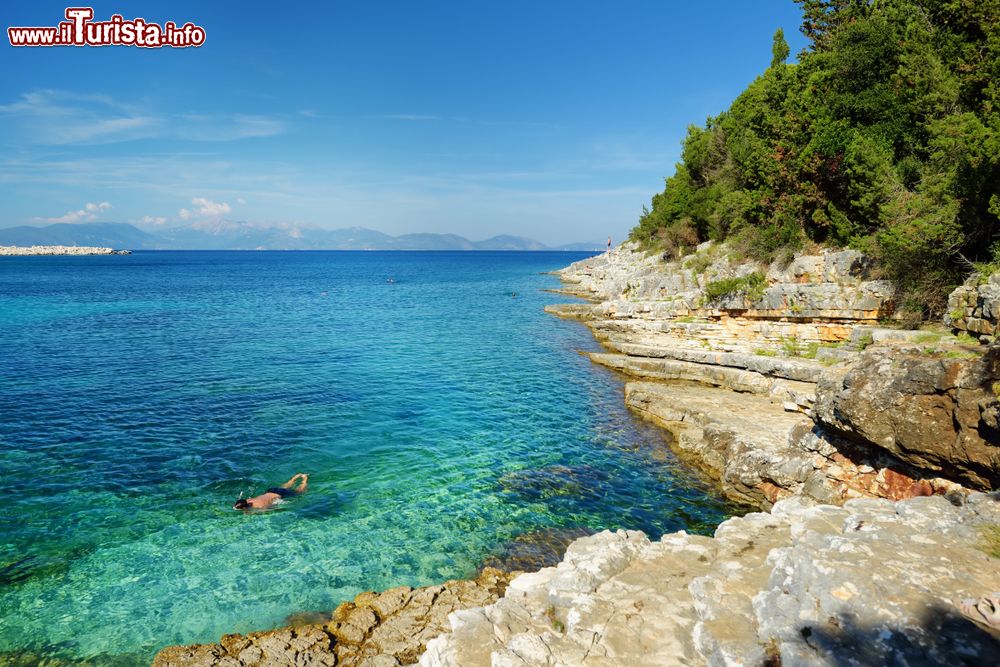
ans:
x=555 y=120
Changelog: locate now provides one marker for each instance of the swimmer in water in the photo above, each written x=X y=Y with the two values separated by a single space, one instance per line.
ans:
x=274 y=494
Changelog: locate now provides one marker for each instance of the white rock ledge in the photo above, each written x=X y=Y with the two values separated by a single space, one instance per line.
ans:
x=873 y=582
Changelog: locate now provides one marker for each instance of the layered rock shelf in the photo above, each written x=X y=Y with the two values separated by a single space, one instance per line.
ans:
x=59 y=250
x=782 y=380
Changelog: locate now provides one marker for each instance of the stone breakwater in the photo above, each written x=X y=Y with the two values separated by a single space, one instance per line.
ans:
x=59 y=250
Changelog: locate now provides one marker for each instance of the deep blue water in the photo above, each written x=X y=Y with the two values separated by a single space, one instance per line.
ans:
x=439 y=417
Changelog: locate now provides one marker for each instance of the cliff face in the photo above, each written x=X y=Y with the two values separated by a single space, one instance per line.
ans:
x=830 y=289
x=780 y=381
x=976 y=309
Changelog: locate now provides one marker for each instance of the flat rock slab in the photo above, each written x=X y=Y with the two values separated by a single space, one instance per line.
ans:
x=743 y=439
x=791 y=369
x=725 y=377
x=873 y=582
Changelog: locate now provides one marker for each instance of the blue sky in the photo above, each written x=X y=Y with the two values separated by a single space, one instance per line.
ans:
x=555 y=120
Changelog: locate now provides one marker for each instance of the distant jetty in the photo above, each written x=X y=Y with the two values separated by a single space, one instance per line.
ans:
x=59 y=250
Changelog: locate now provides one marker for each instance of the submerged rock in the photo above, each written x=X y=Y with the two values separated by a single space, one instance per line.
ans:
x=554 y=481
x=301 y=618
x=535 y=550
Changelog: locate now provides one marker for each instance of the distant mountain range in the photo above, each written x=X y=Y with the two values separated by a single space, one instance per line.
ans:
x=228 y=235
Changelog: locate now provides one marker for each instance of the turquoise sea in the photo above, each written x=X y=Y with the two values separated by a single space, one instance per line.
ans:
x=439 y=416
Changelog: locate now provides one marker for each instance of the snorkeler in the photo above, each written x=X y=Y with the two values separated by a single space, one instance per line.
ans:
x=274 y=494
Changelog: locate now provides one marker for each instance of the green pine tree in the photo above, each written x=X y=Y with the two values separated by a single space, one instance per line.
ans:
x=779 y=48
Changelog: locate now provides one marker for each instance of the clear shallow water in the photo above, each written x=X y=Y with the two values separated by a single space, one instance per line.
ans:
x=439 y=417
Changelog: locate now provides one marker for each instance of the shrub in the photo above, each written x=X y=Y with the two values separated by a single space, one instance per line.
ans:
x=750 y=287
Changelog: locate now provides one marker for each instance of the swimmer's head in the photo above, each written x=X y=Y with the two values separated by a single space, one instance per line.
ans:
x=242 y=504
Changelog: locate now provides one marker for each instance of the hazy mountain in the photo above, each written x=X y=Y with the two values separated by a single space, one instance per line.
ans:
x=585 y=246
x=102 y=234
x=232 y=235
x=430 y=242
x=506 y=242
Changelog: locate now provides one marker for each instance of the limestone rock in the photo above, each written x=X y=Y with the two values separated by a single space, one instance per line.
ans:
x=936 y=414
x=375 y=630
x=831 y=285
x=975 y=308
x=873 y=582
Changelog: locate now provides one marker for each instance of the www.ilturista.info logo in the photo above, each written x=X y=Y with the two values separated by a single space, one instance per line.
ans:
x=80 y=30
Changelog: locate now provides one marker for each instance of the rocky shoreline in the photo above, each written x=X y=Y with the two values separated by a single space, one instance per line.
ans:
x=18 y=251
x=795 y=387
x=869 y=448
x=870 y=583
x=374 y=630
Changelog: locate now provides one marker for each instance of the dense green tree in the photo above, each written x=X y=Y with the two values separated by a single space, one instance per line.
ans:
x=885 y=136
x=779 y=48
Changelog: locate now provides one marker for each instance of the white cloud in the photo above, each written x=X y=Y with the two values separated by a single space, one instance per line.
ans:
x=226 y=127
x=241 y=201
x=88 y=213
x=152 y=220
x=408 y=116
x=56 y=118
x=206 y=208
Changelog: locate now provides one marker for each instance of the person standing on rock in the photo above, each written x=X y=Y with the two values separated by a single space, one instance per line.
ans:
x=609 y=244
x=274 y=494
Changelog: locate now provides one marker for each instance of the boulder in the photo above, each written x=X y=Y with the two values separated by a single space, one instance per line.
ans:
x=935 y=414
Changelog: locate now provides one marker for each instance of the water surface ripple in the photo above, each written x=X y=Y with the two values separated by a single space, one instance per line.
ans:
x=439 y=416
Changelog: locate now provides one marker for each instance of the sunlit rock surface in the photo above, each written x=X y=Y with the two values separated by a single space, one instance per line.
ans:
x=873 y=582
